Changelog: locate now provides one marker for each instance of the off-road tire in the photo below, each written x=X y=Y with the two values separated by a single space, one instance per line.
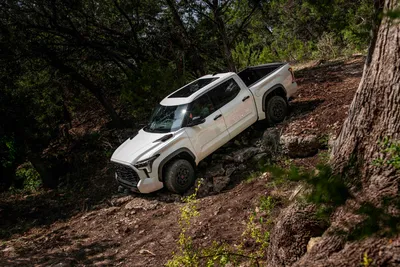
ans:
x=276 y=109
x=179 y=176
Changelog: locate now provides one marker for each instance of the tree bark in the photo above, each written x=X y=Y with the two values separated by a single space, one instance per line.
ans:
x=374 y=114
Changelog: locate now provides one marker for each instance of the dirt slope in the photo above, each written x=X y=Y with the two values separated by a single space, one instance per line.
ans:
x=142 y=230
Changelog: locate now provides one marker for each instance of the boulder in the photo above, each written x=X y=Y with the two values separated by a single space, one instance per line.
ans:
x=230 y=170
x=205 y=188
x=220 y=183
x=216 y=170
x=227 y=158
x=270 y=141
x=245 y=154
x=261 y=158
x=290 y=236
x=300 y=146
x=242 y=167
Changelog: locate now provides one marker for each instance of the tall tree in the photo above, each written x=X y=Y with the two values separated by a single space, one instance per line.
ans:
x=375 y=113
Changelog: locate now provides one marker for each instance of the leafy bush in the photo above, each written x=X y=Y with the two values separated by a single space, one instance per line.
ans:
x=29 y=177
x=391 y=149
x=327 y=46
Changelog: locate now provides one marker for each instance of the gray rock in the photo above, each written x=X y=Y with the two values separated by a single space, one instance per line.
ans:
x=261 y=158
x=216 y=170
x=245 y=154
x=143 y=204
x=241 y=167
x=220 y=183
x=230 y=171
x=300 y=146
x=227 y=158
x=270 y=140
x=244 y=140
x=205 y=188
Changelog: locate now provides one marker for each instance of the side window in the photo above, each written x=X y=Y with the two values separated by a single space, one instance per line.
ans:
x=224 y=93
x=201 y=107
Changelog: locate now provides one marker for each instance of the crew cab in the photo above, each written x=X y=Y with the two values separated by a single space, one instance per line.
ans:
x=197 y=119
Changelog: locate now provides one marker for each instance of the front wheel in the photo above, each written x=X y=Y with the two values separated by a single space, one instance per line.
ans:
x=179 y=176
x=277 y=109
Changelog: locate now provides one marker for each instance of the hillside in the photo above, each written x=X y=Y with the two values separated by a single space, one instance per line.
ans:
x=96 y=226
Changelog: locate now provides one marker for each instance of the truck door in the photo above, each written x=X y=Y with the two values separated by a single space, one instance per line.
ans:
x=236 y=105
x=210 y=135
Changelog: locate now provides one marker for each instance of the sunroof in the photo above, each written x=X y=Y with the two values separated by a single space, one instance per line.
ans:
x=193 y=87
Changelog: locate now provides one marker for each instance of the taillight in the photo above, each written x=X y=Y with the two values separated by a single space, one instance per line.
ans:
x=291 y=72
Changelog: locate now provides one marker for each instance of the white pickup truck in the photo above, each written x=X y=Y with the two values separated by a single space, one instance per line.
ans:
x=197 y=119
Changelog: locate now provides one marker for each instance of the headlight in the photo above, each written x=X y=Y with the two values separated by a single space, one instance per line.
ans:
x=146 y=164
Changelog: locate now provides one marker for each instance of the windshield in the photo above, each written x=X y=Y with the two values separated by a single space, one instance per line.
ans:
x=166 y=119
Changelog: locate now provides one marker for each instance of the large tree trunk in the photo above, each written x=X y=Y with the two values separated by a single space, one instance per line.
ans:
x=374 y=115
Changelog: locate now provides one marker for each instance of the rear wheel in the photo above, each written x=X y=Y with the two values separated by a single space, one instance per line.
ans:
x=277 y=109
x=179 y=176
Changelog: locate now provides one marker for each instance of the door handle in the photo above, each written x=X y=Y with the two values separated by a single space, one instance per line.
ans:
x=217 y=117
x=245 y=98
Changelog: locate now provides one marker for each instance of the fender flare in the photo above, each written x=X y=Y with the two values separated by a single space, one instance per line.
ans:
x=172 y=155
x=271 y=90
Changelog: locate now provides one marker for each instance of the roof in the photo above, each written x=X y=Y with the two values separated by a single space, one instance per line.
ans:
x=183 y=96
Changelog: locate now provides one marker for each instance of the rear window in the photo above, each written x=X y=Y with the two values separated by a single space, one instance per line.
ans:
x=189 y=89
x=224 y=93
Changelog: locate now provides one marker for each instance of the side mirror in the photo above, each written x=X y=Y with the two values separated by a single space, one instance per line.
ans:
x=196 y=121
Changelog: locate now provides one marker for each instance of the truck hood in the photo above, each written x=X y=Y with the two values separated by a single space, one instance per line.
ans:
x=137 y=148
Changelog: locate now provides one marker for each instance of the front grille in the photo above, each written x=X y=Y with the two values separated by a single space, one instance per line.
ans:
x=127 y=175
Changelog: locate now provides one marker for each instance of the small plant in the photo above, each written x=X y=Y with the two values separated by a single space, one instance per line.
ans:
x=220 y=254
x=366 y=262
x=187 y=255
x=29 y=176
x=392 y=151
x=267 y=204
x=323 y=140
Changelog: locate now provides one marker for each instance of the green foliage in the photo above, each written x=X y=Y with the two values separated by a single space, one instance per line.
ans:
x=29 y=176
x=366 y=262
x=391 y=150
x=187 y=255
x=394 y=14
x=267 y=204
x=220 y=254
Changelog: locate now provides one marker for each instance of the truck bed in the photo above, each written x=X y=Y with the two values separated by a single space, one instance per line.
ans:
x=251 y=75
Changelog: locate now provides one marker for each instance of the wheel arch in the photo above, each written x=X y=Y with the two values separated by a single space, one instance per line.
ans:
x=278 y=89
x=182 y=153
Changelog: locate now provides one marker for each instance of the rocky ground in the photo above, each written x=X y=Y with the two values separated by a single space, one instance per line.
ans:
x=142 y=230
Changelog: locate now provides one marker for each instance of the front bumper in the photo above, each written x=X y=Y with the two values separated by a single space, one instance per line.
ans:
x=136 y=180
